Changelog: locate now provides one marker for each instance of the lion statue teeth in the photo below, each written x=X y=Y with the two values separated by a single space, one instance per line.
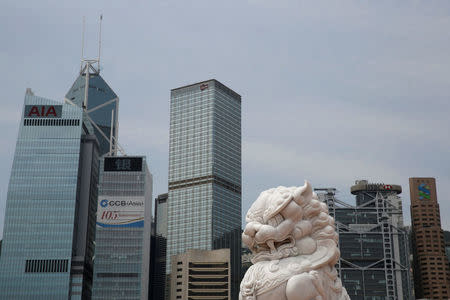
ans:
x=294 y=245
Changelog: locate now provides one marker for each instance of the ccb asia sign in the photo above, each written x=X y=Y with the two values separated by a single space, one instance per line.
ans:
x=120 y=211
x=42 y=111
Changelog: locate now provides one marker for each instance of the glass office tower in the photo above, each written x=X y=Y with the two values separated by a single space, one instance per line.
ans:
x=204 y=169
x=51 y=203
x=122 y=253
x=101 y=104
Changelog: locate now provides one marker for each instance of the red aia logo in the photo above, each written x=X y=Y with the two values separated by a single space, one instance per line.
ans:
x=204 y=86
x=45 y=111
x=387 y=187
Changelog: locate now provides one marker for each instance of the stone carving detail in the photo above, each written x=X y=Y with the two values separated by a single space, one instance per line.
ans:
x=294 y=246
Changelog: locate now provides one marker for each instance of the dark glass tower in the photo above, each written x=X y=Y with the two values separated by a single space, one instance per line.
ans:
x=205 y=171
x=49 y=233
x=159 y=249
x=101 y=104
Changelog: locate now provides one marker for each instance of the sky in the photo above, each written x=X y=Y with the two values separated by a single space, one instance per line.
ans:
x=332 y=91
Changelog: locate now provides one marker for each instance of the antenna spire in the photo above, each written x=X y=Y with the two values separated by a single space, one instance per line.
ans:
x=82 y=41
x=99 y=42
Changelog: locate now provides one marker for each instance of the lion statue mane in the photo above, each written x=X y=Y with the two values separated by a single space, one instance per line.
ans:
x=294 y=245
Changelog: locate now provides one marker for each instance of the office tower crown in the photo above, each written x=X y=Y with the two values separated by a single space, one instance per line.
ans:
x=100 y=103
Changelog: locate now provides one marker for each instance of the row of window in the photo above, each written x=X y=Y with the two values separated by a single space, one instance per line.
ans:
x=46 y=265
x=51 y=122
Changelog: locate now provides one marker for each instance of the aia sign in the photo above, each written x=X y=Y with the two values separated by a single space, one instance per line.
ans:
x=42 y=111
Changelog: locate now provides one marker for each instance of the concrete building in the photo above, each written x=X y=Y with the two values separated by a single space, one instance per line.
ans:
x=122 y=254
x=374 y=262
x=201 y=274
x=431 y=269
x=49 y=233
x=205 y=171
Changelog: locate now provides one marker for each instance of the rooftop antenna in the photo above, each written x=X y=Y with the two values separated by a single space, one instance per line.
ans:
x=82 y=42
x=99 y=42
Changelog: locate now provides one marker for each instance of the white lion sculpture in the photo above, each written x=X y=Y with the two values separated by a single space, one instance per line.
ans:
x=294 y=243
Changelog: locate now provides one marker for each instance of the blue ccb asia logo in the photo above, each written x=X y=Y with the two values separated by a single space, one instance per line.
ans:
x=106 y=202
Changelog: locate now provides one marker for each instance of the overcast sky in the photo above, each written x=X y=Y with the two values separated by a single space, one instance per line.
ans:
x=332 y=91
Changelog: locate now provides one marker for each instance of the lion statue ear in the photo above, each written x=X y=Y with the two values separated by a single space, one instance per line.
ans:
x=303 y=194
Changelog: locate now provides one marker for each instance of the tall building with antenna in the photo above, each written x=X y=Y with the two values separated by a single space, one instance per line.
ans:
x=101 y=104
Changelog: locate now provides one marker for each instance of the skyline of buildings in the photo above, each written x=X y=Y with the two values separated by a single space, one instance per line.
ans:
x=204 y=165
x=204 y=171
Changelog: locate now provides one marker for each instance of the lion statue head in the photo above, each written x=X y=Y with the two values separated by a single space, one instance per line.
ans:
x=291 y=234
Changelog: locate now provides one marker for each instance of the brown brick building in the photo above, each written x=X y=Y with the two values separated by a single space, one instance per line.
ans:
x=431 y=269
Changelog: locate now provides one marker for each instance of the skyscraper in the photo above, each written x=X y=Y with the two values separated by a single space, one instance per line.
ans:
x=159 y=249
x=122 y=253
x=431 y=269
x=204 y=169
x=48 y=240
x=374 y=262
x=101 y=104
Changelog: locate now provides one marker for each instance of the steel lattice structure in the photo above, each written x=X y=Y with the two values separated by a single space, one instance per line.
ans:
x=374 y=261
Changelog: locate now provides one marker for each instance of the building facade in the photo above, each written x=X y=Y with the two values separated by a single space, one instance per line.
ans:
x=201 y=274
x=159 y=249
x=431 y=268
x=204 y=169
x=122 y=254
x=374 y=262
x=100 y=103
x=446 y=238
x=49 y=233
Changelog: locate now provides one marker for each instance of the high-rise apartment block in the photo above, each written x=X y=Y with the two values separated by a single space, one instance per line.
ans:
x=374 y=262
x=204 y=169
x=91 y=92
x=48 y=240
x=201 y=274
x=122 y=253
x=431 y=269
